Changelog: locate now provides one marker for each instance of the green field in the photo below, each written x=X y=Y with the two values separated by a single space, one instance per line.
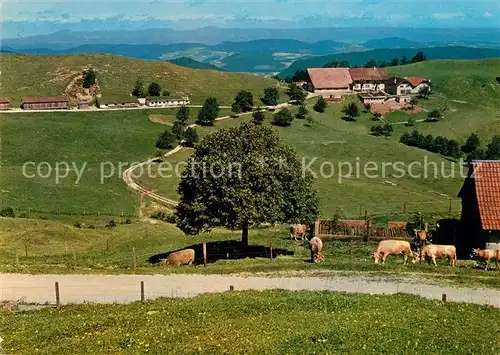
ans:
x=39 y=75
x=270 y=322
x=60 y=247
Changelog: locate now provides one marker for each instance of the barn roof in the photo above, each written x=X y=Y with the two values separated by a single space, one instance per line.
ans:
x=368 y=74
x=487 y=182
x=330 y=78
x=416 y=80
x=44 y=99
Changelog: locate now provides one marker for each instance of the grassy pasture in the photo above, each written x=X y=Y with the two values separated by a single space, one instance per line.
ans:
x=270 y=322
x=40 y=75
x=56 y=247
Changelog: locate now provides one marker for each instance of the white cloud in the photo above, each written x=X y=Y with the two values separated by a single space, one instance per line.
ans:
x=488 y=14
x=447 y=15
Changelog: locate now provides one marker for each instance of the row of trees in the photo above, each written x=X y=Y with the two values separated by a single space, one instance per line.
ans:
x=154 y=89
x=472 y=148
x=439 y=144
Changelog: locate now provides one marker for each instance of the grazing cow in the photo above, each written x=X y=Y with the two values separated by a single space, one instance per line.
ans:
x=486 y=255
x=298 y=230
x=316 y=246
x=433 y=252
x=392 y=247
x=181 y=257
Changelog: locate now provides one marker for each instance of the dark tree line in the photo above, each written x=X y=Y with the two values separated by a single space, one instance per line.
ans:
x=439 y=144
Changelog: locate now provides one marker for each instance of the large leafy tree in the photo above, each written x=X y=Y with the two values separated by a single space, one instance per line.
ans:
x=89 y=78
x=208 y=112
x=243 y=102
x=271 y=96
x=243 y=176
x=471 y=144
x=282 y=118
x=166 y=140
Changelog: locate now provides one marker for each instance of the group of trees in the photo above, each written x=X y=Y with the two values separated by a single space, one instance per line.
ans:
x=382 y=130
x=89 y=78
x=439 y=144
x=186 y=136
x=472 y=148
x=154 y=89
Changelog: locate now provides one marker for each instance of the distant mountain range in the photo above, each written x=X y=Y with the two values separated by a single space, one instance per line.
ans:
x=212 y=36
x=191 y=63
x=361 y=58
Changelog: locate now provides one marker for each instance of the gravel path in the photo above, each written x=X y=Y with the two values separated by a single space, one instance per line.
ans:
x=126 y=288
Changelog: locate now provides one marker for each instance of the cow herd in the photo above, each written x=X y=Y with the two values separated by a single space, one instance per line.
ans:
x=426 y=250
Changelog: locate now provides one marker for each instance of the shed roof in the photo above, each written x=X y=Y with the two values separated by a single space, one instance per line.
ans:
x=368 y=74
x=44 y=99
x=487 y=183
x=330 y=78
x=4 y=100
x=164 y=98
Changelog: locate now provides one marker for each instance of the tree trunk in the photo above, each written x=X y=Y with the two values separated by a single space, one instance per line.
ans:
x=244 y=235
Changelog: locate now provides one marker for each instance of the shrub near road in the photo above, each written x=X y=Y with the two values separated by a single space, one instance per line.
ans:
x=270 y=322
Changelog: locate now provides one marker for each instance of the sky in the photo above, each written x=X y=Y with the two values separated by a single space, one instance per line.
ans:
x=29 y=17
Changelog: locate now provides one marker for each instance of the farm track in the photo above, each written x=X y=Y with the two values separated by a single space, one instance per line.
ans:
x=126 y=288
x=127 y=175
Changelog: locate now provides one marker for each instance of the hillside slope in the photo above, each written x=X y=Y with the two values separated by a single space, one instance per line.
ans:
x=32 y=75
x=191 y=63
x=360 y=58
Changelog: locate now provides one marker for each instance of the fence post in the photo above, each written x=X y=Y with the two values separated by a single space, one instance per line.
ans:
x=26 y=250
x=205 y=254
x=404 y=206
x=134 y=257
x=17 y=258
x=142 y=291
x=449 y=205
x=443 y=297
x=316 y=227
x=107 y=244
x=360 y=209
x=58 y=299
x=350 y=252
x=271 y=248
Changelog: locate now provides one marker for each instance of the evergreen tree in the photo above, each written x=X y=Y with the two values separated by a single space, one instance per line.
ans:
x=166 y=140
x=190 y=137
x=138 y=90
x=178 y=130
x=258 y=116
x=471 y=144
x=183 y=115
x=154 y=89
x=351 y=111
x=89 y=77
x=243 y=102
x=208 y=112
x=493 y=150
x=296 y=93
x=302 y=113
x=320 y=104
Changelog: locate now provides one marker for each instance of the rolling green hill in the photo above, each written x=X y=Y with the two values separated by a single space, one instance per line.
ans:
x=360 y=58
x=35 y=75
x=191 y=63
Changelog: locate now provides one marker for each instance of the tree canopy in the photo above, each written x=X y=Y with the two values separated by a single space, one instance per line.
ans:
x=89 y=78
x=271 y=96
x=282 y=118
x=166 y=140
x=240 y=177
x=471 y=144
x=138 y=90
x=258 y=116
x=351 y=111
x=243 y=102
x=296 y=93
x=190 y=137
x=182 y=115
x=320 y=104
x=154 y=89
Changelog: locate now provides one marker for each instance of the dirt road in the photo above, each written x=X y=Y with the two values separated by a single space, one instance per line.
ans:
x=126 y=288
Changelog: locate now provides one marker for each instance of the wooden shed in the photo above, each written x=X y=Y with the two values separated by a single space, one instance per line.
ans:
x=45 y=103
x=4 y=103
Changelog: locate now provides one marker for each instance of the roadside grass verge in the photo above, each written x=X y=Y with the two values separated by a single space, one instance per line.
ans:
x=250 y=322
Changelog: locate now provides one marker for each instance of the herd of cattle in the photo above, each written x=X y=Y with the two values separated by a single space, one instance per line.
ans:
x=426 y=250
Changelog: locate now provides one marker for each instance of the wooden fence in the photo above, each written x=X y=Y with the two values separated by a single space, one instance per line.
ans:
x=357 y=230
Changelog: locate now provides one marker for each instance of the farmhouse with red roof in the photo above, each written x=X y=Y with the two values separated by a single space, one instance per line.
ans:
x=330 y=83
x=406 y=86
x=368 y=79
x=480 y=194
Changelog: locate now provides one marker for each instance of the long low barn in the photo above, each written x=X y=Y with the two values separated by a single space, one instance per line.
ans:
x=45 y=103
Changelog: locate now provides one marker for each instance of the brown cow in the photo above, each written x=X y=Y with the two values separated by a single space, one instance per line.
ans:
x=297 y=230
x=433 y=252
x=316 y=246
x=392 y=247
x=181 y=257
x=486 y=255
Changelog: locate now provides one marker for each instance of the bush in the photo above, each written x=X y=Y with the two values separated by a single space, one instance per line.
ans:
x=382 y=130
x=302 y=113
x=23 y=215
x=91 y=226
x=112 y=223
x=164 y=216
x=282 y=118
x=320 y=105
x=410 y=122
x=258 y=116
x=128 y=221
x=7 y=212
x=434 y=116
x=77 y=225
x=351 y=111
